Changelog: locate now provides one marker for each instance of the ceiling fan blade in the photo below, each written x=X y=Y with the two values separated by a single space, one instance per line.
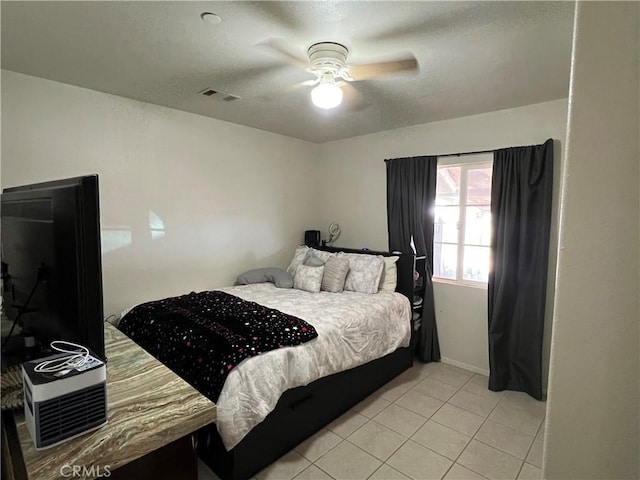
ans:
x=375 y=70
x=283 y=50
x=310 y=83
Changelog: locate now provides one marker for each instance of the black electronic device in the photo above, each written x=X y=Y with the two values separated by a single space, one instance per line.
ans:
x=51 y=265
x=312 y=238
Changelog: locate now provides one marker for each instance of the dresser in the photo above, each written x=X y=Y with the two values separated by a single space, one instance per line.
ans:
x=152 y=414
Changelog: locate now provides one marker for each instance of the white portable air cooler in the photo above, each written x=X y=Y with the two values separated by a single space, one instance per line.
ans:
x=60 y=406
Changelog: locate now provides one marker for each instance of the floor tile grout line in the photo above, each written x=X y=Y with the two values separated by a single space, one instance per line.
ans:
x=471 y=437
x=387 y=465
x=359 y=448
x=383 y=461
x=394 y=452
x=406 y=439
x=427 y=419
x=508 y=426
x=531 y=446
x=319 y=468
x=446 y=402
x=484 y=443
x=533 y=443
x=346 y=439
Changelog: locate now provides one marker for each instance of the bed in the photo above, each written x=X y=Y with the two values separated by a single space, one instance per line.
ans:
x=271 y=402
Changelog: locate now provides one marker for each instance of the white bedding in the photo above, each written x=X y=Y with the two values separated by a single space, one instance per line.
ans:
x=353 y=329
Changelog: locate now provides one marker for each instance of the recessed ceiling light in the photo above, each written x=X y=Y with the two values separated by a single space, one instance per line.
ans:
x=211 y=18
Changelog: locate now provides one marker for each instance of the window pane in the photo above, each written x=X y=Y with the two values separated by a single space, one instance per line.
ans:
x=477 y=226
x=448 y=186
x=476 y=264
x=445 y=260
x=479 y=186
x=445 y=224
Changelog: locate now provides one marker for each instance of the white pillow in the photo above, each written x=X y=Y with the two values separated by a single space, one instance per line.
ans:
x=298 y=258
x=389 y=277
x=364 y=272
x=308 y=278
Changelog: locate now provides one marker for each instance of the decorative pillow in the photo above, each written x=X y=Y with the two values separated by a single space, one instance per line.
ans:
x=364 y=272
x=335 y=273
x=298 y=258
x=308 y=278
x=321 y=254
x=279 y=277
x=389 y=278
x=312 y=260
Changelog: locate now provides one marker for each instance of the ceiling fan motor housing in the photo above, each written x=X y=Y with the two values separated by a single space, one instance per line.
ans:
x=328 y=57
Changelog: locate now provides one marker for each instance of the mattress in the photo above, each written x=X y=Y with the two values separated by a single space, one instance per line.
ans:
x=353 y=329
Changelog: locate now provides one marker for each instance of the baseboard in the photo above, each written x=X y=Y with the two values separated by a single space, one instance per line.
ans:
x=481 y=371
x=465 y=366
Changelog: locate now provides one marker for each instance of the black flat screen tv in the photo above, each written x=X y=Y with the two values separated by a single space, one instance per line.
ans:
x=51 y=262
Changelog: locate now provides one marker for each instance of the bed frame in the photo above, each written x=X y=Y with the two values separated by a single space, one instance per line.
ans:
x=302 y=411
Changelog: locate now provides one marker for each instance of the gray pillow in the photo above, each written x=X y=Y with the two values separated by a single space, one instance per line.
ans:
x=279 y=277
x=312 y=260
x=335 y=273
x=298 y=258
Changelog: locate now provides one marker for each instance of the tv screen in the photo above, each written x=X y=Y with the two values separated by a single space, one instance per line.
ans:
x=51 y=263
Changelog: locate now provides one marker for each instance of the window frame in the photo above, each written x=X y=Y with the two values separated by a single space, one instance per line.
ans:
x=472 y=162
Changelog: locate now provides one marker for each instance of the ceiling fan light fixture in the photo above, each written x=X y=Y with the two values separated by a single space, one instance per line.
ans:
x=326 y=95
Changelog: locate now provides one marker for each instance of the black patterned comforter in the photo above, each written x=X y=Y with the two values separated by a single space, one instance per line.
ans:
x=203 y=336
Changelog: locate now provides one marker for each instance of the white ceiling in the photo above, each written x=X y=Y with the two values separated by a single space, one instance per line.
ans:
x=474 y=57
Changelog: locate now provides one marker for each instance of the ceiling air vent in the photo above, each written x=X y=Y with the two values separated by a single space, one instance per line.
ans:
x=220 y=96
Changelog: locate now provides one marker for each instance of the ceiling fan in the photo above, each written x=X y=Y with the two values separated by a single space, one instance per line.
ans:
x=328 y=62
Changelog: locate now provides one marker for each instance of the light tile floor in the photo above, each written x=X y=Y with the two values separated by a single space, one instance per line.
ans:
x=435 y=421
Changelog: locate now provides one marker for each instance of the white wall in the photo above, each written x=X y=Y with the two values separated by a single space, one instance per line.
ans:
x=354 y=195
x=230 y=197
x=233 y=198
x=593 y=404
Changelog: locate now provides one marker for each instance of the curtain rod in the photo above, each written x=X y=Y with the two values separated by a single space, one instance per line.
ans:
x=464 y=153
x=454 y=154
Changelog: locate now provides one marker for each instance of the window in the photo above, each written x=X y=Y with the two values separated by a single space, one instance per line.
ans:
x=462 y=222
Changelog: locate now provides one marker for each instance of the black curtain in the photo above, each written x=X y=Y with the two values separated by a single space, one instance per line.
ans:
x=521 y=193
x=411 y=197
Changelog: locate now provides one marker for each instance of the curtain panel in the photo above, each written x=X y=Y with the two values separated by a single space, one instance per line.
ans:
x=521 y=194
x=411 y=196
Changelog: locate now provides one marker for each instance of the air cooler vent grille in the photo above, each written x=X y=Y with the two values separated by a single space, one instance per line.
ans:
x=67 y=415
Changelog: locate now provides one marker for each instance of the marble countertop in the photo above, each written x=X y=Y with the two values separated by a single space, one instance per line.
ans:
x=148 y=407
